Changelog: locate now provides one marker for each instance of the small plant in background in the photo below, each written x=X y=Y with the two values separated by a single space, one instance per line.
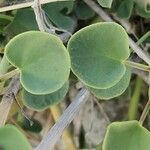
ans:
x=100 y=55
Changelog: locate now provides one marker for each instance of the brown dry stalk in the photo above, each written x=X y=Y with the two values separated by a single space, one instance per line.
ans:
x=7 y=99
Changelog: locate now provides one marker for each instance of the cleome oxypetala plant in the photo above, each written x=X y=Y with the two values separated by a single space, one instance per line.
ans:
x=98 y=55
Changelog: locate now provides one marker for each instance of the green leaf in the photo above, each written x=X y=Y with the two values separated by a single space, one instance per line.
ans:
x=125 y=9
x=26 y=125
x=116 y=4
x=41 y=102
x=129 y=135
x=24 y=20
x=105 y=3
x=98 y=53
x=43 y=61
x=57 y=11
x=83 y=11
x=11 y=139
x=142 y=8
x=115 y=90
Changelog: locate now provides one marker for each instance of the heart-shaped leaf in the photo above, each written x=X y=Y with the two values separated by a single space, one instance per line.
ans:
x=43 y=61
x=12 y=139
x=24 y=20
x=55 y=13
x=129 y=135
x=115 y=90
x=41 y=102
x=105 y=3
x=98 y=53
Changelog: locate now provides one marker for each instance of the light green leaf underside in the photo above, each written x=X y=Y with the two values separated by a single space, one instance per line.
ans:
x=42 y=59
x=129 y=135
x=115 y=90
x=105 y=3
x=12 y=139
x=97 y=53
x=41 y=102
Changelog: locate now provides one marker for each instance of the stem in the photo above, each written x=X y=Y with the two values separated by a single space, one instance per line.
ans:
x=45 y=26
x=13 y=88
x=143 y=38
x=9 y=75
x=135 y=99
x=56 y=131
x=7 y=99
x=147 y=107
x=145 y=112
x=66 y=136
x=137 y=65
x=139 y=51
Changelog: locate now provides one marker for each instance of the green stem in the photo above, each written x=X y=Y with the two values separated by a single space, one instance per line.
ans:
x=143 y=38
x=146 y=109
x=137 y=65
x=133 y=107
x=9 y=75
x=145 y=112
